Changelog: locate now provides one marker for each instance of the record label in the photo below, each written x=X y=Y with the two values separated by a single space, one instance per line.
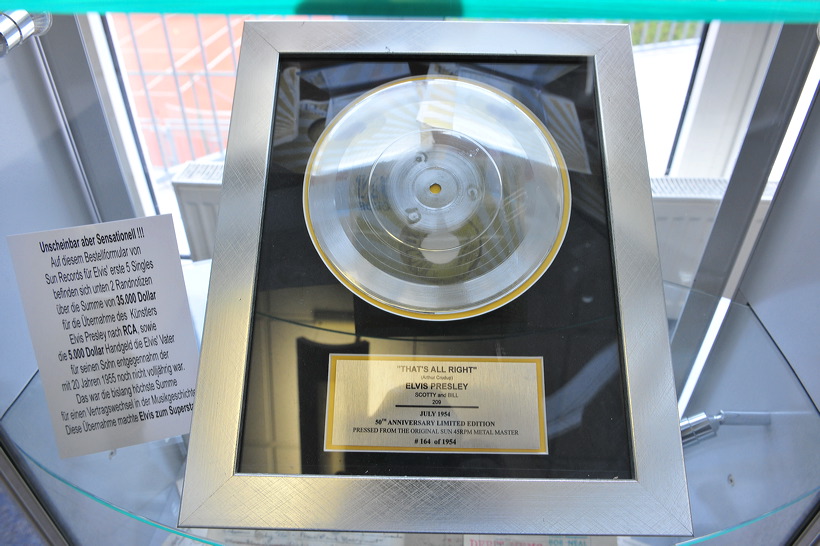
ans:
x=437 y=198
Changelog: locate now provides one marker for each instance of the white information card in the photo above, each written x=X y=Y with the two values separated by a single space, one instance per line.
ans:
x=108 y=316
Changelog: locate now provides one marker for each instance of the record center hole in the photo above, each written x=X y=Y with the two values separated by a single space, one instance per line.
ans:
x=435 y=189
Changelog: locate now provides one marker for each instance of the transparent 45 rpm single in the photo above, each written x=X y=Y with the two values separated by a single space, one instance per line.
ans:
x=437 y=198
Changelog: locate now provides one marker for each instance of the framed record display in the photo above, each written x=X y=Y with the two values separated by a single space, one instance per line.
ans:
x=435 y=302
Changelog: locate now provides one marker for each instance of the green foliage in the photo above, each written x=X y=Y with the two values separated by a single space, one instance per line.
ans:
x=650 y=32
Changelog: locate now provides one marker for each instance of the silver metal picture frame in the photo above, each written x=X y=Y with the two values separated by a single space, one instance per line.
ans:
x=216 y=493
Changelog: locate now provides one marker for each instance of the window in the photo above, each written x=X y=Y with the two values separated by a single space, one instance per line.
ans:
x=177 y=72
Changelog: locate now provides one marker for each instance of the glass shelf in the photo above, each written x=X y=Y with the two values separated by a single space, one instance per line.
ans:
x=726 y=10
x=744 y=482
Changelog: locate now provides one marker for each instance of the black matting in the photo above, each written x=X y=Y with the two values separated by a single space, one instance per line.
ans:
x=569 y=316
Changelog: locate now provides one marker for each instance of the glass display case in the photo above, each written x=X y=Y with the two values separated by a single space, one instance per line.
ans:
x=747 y=399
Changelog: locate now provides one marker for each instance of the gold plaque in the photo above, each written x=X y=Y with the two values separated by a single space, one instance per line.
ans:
x=439 y=404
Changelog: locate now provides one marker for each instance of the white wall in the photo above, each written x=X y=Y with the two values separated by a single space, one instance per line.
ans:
x=40 y=189
x=782 y=283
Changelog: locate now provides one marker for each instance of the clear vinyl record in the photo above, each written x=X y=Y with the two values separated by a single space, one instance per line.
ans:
x=437 y=198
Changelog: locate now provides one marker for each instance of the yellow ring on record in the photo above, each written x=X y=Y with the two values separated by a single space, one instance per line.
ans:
x=424 y=195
